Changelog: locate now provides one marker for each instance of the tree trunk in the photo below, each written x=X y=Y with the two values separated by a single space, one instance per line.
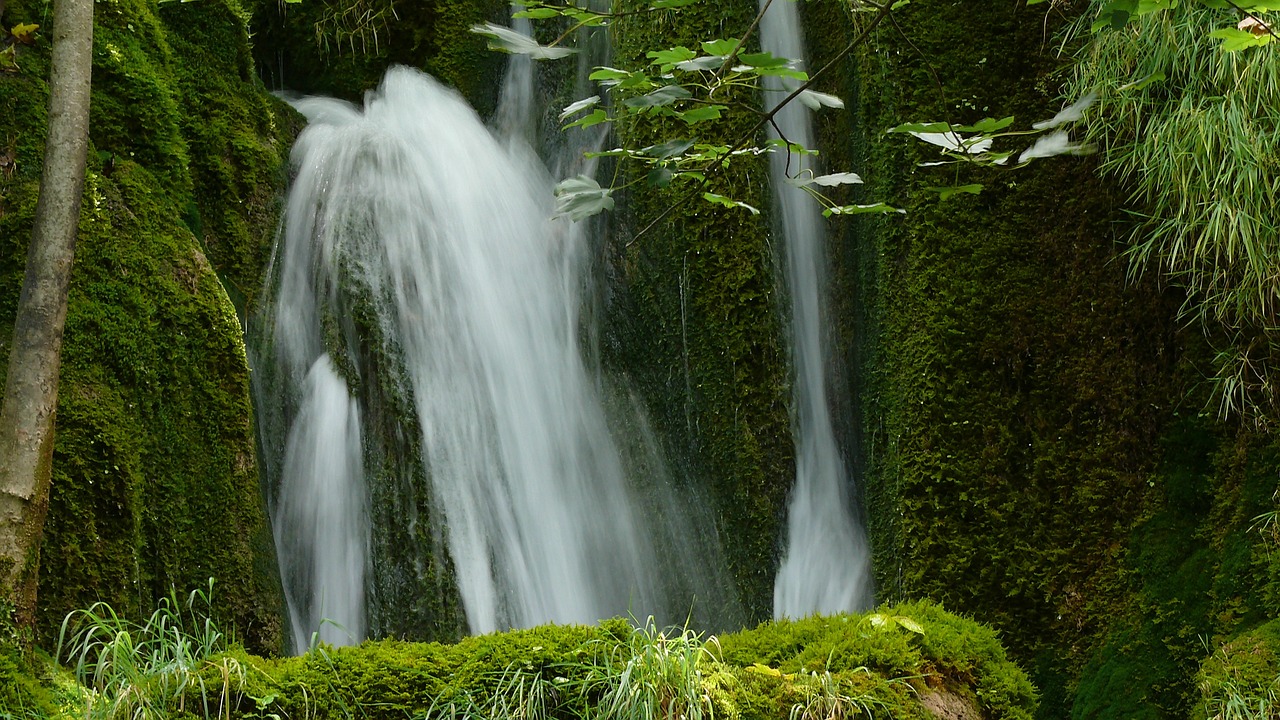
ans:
x=31 y=389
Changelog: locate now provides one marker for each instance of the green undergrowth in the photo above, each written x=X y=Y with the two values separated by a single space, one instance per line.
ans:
x=906 y=662
x=154 y=482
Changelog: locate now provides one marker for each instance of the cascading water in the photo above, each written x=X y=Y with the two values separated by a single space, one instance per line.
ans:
x=826 y=561
x=418 y=266
x=322 y=513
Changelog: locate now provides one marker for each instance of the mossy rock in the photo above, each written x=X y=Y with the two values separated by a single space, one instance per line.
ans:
x=155 y=483
x=22 y=695
x=909 y=661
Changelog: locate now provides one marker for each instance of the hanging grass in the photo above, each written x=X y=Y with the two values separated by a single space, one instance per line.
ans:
x=1195 y=132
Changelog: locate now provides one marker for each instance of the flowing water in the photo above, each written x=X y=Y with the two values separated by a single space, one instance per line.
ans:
x=438 y=449
x=419 y=266
x=826 y=560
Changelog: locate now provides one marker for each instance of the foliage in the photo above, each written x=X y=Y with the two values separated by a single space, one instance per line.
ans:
x=691 y=84
x=615 y=670
x=142 y=671
x=692 y=320
x=22 y=696
x=1190 y=129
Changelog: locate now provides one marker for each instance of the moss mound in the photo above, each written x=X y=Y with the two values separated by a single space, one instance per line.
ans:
x=155 y=482
x=905 y=662
x=1242 y=679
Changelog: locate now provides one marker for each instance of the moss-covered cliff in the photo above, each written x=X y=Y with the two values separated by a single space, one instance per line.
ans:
x=155 y=482
x=1038 y=456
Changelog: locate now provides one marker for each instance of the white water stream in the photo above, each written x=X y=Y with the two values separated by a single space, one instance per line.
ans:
x=444 y=229
x=826 y=561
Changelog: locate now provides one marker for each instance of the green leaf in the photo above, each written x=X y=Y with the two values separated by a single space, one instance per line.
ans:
x=719 y=47
x=934 y=127
x=671 y=57
x=1234 y=40
x=540 y=13
x=1115 y=14
x=659 y=177
x=763 y=60
x=506 y=40
x=578 y=198
x=702 y=114
x=607 y=73
x=987 y=125
x=727 y=202
x=622 y=79
x=873 y=209
x=781 y=71
x=947 y=192
x=667 y=150
x=661 y=97
x=585 y=18
x=595 y=118
x=668 y=4
x=909 y=624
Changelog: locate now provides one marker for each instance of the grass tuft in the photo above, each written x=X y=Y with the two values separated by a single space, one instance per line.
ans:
x=144 y=671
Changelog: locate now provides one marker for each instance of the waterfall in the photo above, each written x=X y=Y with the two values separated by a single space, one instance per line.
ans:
x=419 y=268
x=323 y=484
x=826 y=560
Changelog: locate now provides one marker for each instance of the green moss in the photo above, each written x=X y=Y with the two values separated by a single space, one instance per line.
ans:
x=22 y=695
x=155 y=482
x=754 y=674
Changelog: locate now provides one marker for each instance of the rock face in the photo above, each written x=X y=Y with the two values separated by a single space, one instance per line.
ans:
x=155 y=483
x=1040 y=453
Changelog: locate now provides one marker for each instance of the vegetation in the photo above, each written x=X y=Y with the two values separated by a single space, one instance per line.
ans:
x=1190 y=129
x=895 y=663
x=1028 y=408
x=143 y=670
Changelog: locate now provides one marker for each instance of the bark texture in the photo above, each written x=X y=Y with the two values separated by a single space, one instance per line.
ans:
x=31 y=389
